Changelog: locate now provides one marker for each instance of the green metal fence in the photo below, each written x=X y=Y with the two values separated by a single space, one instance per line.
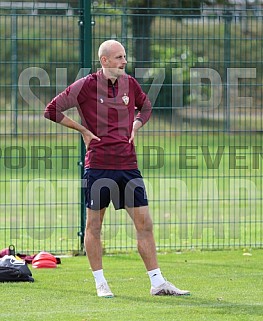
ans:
x=40 y=193
x=200 y=154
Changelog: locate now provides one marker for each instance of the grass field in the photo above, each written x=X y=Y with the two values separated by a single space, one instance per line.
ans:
x=224 y=285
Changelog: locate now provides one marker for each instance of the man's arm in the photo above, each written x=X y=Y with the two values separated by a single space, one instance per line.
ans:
x=143 y=104
x=137 y=124
x=64 y=101
x=86 y=134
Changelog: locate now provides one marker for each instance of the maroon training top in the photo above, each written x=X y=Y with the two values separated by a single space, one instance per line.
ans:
x=108 y=111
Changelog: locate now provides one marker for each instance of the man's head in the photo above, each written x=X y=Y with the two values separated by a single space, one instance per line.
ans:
x=112 y=57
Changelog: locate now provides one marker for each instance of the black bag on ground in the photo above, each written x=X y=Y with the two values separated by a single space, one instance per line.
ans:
x=14 y=270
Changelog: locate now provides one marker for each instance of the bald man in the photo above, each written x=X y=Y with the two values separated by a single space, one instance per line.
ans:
x=107 y=101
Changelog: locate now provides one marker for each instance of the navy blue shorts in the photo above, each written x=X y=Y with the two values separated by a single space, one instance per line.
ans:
x=122 y=187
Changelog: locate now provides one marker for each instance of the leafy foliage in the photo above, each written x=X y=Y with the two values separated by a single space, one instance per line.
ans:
x=177 y=60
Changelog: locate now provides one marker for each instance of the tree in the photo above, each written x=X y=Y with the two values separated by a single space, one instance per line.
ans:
x=141 y=20
x=144 y=12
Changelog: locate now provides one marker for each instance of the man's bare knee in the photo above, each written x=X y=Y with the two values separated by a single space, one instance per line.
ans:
x=94 y=223
x=93 y=229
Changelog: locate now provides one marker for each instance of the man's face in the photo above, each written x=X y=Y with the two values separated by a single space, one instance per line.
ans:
x=115 y=61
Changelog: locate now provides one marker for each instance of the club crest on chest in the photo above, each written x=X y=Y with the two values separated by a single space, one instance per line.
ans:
x=125 y=99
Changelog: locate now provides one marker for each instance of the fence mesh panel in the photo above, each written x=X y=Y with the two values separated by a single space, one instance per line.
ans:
x=200 y=154
x=40 y=196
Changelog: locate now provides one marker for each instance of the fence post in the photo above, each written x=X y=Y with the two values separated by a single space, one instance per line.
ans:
x=14 y=69
x=86 y=61
x=227 y=60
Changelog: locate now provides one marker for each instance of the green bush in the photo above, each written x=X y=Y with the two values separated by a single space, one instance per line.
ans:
x=177 y=63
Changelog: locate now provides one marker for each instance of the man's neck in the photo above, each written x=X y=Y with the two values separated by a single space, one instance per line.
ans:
x=109 y=77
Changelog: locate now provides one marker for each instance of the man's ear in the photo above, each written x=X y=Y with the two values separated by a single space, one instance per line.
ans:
x=103 y=60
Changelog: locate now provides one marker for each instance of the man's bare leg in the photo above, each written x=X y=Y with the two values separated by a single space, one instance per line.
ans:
x=93 y=238
x=94 y=250
x=145 y=239
x=147 y=250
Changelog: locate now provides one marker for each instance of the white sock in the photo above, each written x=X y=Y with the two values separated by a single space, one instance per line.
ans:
x=99 y=277
x=156 y=277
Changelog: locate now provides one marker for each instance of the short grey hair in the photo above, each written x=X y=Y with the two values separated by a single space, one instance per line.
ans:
x=104 y=48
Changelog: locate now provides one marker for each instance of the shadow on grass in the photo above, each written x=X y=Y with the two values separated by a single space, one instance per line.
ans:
x=220 y=306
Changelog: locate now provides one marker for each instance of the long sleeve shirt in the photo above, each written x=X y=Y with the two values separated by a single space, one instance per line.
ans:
x=108 y=110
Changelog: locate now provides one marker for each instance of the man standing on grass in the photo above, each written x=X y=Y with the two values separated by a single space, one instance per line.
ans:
x=106 y=101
